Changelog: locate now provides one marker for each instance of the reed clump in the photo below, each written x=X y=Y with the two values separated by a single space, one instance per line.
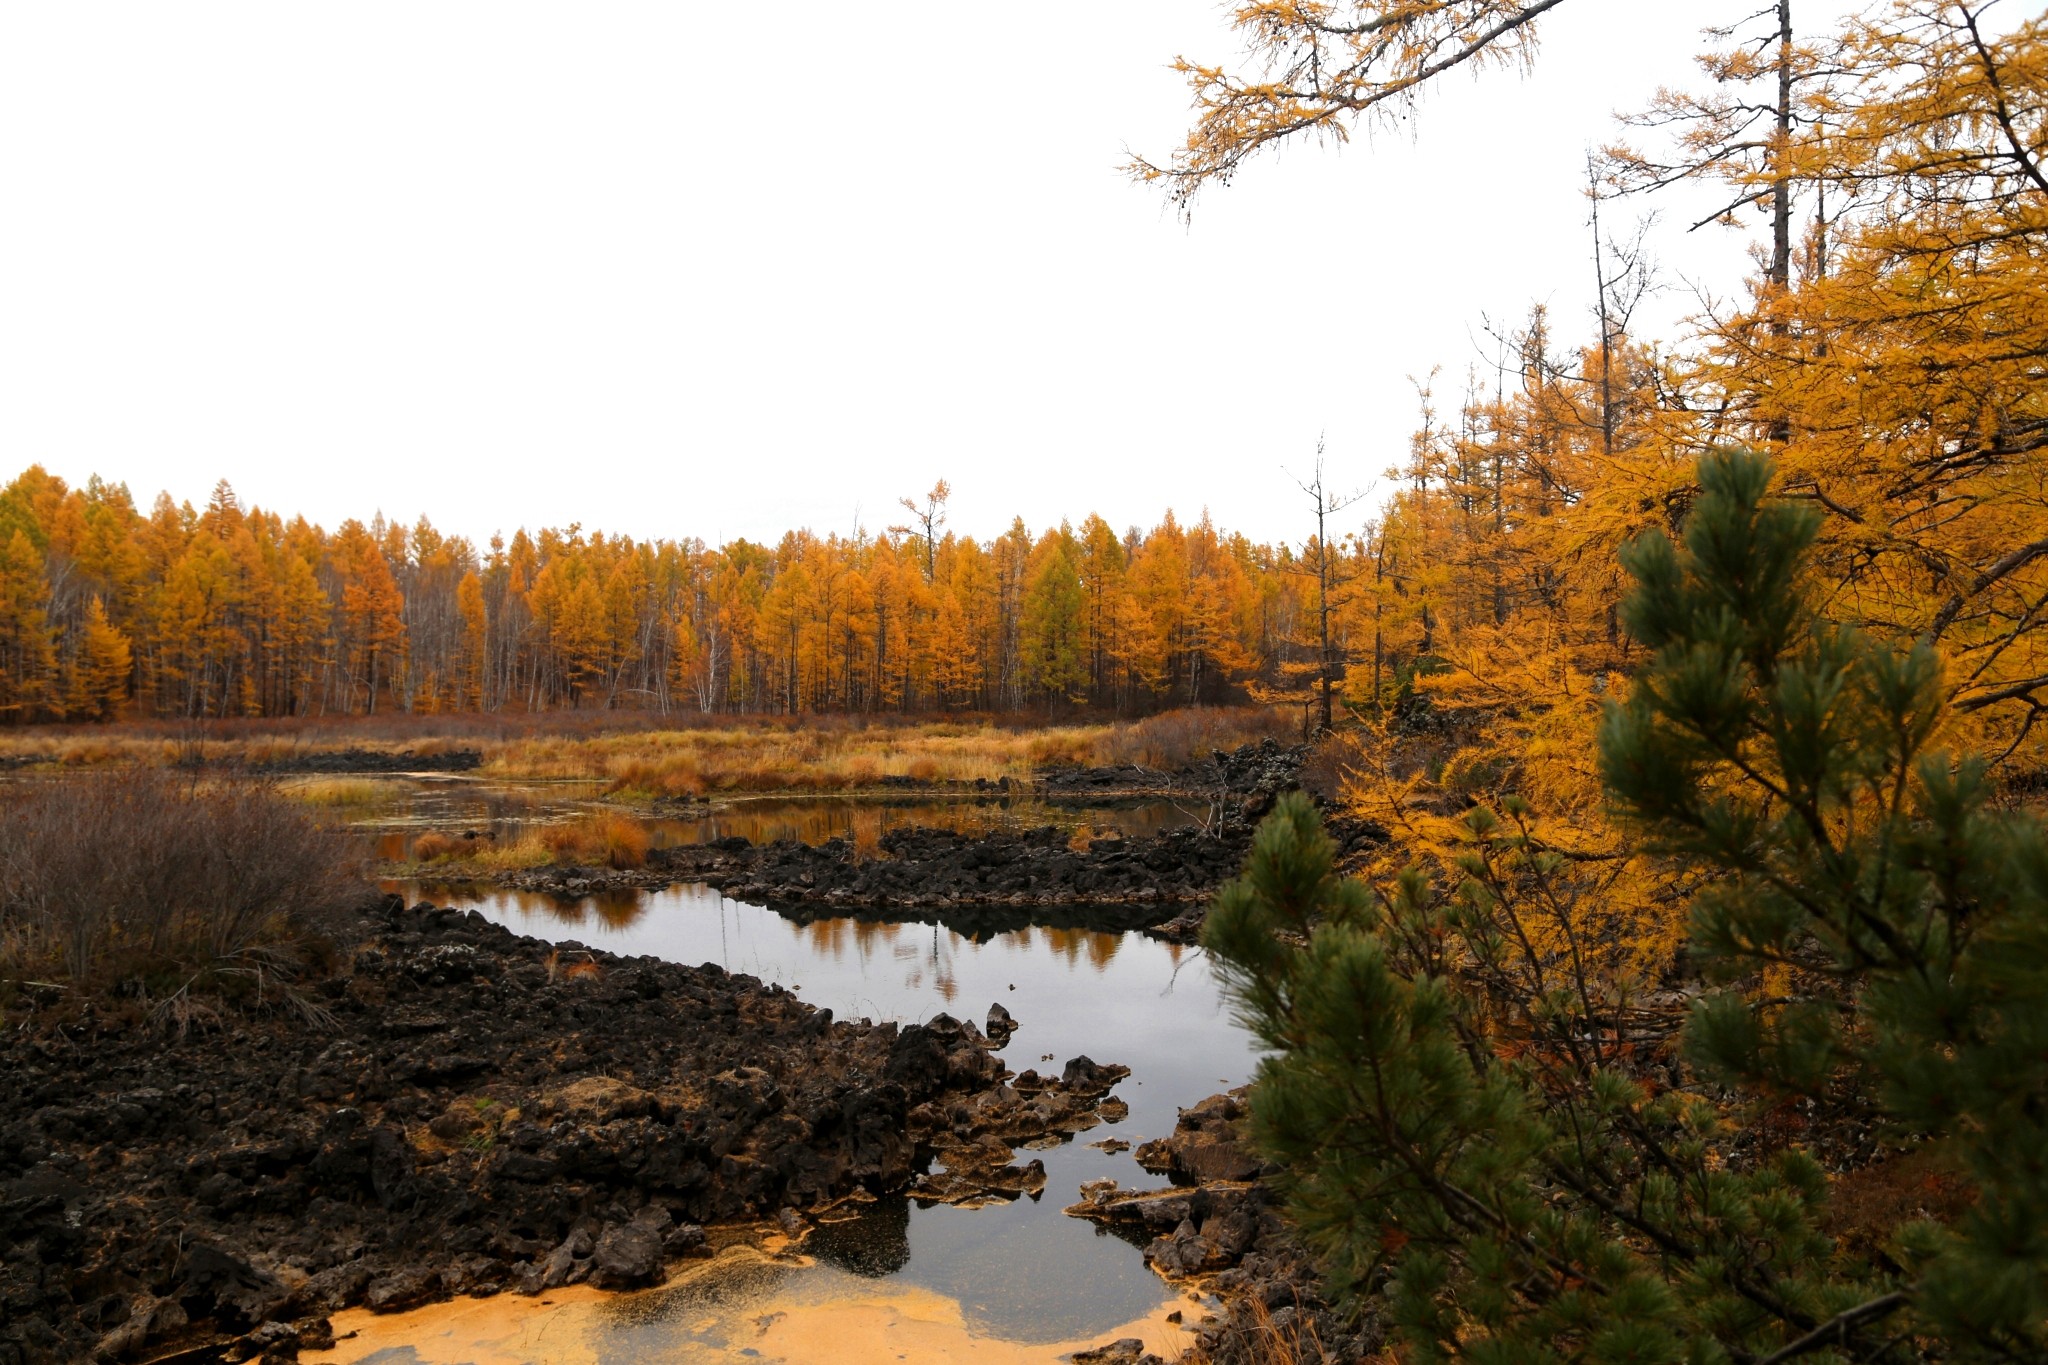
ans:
x=615 y=840
x=434 y=847
x=343 y=793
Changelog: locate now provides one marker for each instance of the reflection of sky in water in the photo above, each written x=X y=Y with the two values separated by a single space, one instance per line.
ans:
x=1022 y=1270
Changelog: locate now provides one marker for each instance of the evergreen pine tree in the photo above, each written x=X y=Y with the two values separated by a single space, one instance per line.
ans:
x=1480 y=1124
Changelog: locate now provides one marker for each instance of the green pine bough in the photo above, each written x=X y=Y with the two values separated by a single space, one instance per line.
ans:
x=1489 y=1142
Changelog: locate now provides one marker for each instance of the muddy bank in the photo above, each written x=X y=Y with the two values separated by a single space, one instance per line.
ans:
x=1219 y=1227
x=459 y=1110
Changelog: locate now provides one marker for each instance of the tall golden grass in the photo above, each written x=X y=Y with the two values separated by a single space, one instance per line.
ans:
x=609 y=837
x=640 y=756
x=339 y=792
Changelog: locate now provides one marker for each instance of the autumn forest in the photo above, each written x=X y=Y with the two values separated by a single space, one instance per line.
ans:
x=1889 y=355
x=1610 y=824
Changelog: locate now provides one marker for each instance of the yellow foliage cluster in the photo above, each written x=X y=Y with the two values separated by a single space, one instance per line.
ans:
x=1890 y=356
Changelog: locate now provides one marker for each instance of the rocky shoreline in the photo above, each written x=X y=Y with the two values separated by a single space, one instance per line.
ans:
x=454 y=1109
x=1218 y=1228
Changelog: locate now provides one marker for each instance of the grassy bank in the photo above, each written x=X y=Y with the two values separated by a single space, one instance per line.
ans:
x=645 y=756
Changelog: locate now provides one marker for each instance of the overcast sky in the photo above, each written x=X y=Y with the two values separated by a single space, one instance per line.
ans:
x=682 y=269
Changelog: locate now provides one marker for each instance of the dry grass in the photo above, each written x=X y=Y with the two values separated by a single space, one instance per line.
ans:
x=338 y=792
x=648 y=756
x=769 y=758
x=152 y=878
x=617 y=841
x=1292 y=1342
x=434 y=847
x=609 y=838
x=1173 y=739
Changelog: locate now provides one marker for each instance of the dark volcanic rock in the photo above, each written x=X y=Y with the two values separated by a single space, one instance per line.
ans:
x=467 y=1116
x=958 y=874
x=1127 y=1351
x=629 y=1254
x=1266 y=767
x=1206 y=1144
x=1222 y=1228
x=1000 y=1024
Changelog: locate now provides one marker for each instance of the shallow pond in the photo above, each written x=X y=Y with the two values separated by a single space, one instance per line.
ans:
x=396 y=809
x=1018 y=1281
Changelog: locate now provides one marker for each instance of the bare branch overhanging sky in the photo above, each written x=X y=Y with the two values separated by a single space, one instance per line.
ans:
x=661 y=269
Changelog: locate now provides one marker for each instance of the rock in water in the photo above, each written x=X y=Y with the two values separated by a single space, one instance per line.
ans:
x=1085 y=1076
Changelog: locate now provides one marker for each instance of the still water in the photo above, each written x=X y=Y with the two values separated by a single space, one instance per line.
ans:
x=1017 y=1281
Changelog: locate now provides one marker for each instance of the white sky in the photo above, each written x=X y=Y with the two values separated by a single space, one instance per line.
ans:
x=685 y=268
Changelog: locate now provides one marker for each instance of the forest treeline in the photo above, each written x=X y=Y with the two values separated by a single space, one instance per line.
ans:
x=106 y=610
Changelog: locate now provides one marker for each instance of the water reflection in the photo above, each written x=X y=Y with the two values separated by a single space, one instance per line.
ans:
x=876 y=1244
x=1021 y=1271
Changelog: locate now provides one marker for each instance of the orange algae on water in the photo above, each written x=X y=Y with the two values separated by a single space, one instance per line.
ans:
x=742 y=1306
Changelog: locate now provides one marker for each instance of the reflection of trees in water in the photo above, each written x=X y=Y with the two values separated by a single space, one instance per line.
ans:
x=1072 y=943
x=612 y=909
x=942 y=963
x=875 y=1244
x=556 y=908
x=832 y=936
x=619 y=909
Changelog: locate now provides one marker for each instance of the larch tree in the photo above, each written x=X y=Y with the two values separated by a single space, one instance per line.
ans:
x=927 y=517
x=28 y=656
x=100 y=673
x=1055 y=656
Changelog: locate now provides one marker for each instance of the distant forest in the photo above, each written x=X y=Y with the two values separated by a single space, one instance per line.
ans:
x=107 y=611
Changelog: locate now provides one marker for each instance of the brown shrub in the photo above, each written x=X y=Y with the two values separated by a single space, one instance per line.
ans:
x=1174 y=739
x=112 y=877
x=617 y=841
x=434 y=844
x=1332 y=764
x=923 y=769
